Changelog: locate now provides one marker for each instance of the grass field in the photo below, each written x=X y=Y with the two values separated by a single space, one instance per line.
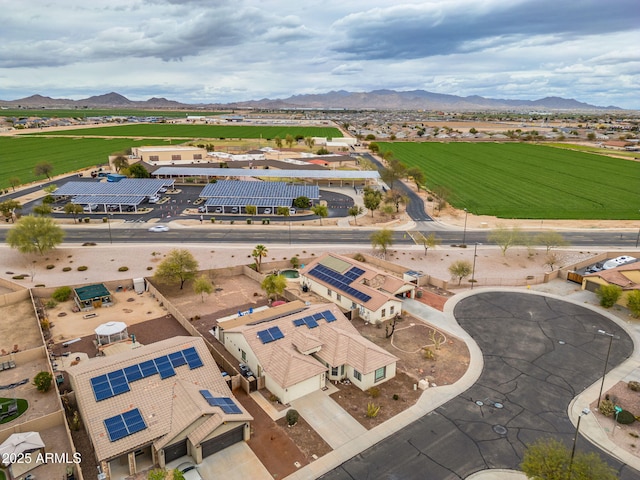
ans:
x=163 y=130
x=21 y=154
x=527 y=181
x=98 y=112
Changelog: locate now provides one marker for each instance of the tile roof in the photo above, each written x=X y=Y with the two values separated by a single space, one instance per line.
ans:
x=617 y=275
x=168 y=406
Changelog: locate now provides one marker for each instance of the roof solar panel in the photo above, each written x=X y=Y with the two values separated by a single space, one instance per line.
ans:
x=298 y=322
x=133 y=373
x=124 y=425
x=329 y=316
x=120 y=388
x=192 y=358
x=99 y=380
x=133 y=421
x=276 y=333
x=165 y=369
x=103 y=394
x=265 y=336
x=177 y=359
x=311 y=323
x=317 y=316
x=148 y=368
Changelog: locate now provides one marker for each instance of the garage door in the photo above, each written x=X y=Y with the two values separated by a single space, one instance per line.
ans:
x=223 y=441
x=176 y=450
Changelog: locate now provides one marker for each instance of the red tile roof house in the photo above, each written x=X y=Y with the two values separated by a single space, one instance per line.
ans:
x=373 y=294
x=154 y=404
x=625 y=276
x=298 y=352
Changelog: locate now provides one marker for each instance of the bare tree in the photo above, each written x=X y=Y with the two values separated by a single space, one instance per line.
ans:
x=506 y=238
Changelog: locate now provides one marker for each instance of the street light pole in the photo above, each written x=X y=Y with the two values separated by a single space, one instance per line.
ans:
x=606 y=362
x=464 y=232
x=586 y=411
x=473 y=270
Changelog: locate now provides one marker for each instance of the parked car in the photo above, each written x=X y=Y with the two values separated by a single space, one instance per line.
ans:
x=112 y=208
x=245 y=370
x=162 y=190
x=292 y=211
x=154 y=199
x=202 y=209
x=130 y=208
x=189 y=471
x=92 y=207
x=616 y=262
x=235 y=209
x=267 y=211
x=159 y=228
x=219 y=210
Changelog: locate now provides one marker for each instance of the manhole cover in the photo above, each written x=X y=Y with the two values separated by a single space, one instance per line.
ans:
x=500 y=430
x=479 y=403
x=498 y=405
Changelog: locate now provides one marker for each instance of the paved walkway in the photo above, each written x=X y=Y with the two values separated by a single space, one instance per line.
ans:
x=328 y=419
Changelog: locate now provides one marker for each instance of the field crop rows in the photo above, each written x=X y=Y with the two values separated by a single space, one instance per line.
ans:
x=527 y=181
x=165 y=130
x=21 y=154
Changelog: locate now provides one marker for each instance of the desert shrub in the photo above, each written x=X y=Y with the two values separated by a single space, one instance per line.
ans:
x=633 y=385
x=633 y=303
x=42 y=381
x=248 y=221
x=428 y=354
x=123 y=269
x=606 y=408
x=359 y=257
x=395 y=396
x=157 y=474
x=51 y=303
x=372 y=410
x=45 y=324
x=149 y=268
x=295 y=262
x=82 y=268
x=86 y=219
x=213 y=220
x=62 y=294
x=608 y=295
x=49 y=267
x=66 y=269
x=292 y=417
x=374 y=392
x=18 y=277
x=104 y=220
x=273 y=398
x=625 y=417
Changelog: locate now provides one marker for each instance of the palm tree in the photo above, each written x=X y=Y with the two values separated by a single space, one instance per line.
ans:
x=258 y=253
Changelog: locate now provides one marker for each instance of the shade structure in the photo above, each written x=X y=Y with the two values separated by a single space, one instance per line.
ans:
x=18 y=443
x=111 y=332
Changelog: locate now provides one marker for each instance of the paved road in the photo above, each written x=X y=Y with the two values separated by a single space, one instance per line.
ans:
x=539 y=353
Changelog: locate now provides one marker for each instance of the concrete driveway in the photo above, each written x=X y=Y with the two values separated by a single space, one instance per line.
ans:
x=539 y=353
x=328 y=419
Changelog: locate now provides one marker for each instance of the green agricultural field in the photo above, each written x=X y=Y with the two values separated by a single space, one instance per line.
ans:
x=165 y=130
x=20 y=154
x=527 y=181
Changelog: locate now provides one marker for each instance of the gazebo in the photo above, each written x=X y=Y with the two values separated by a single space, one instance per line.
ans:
x=111 y=332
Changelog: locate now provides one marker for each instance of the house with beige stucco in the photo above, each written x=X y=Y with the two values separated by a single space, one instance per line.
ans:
x=297 y=348
x=625 y=276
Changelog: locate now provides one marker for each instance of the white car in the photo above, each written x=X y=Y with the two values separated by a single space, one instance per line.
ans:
x=159 y=228
x=292 y=211
x=154 y=199
x=92 y=207
x=189 y=471
x=267 y=211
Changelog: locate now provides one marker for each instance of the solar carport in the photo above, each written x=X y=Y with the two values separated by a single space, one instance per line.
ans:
x=129 y=192
x=227 y=194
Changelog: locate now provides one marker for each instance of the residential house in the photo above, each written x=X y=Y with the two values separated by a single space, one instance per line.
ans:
x=626 y=276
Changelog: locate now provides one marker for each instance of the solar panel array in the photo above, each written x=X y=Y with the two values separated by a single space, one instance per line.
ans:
x=270 y=335
x=117 y=382
x=108 y=199
x=124 y=425
x=311 y=321
x=243 y=201
x=136 y=187
x=341 y=281
x=244 y=189
x=225 y=403
x=273 y=173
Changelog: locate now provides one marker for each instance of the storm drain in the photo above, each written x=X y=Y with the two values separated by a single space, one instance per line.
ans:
x=500 y=430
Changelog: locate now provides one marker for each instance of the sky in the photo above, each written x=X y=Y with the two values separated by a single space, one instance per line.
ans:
x=220 y=51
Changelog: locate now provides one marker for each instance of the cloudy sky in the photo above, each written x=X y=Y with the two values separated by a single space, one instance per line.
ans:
x=209 y=51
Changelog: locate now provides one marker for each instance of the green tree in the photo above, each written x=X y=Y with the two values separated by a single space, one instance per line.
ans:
x=278 y=141
x=274 y=285
x=323 y=151
x=289 y=140
x=302 y=202
x=460 y=269
x=354 y=212
x=633 y=303
x=284 y=211
x=120 y=163
x=395 y=171
x=591 y=136
x=608 y=295
x=33 y=234
x=374 y=147
x=14 y=182
x=61 y=294
x=202 y=285
x=506 y=237
x=549 y=459
x=8 y=208
x=309 y=142
x=430 y=241
x=43 y=168
x=396 y=197
x=157 y=474
x=321 y=211
x=383 y=239
x=42 y=210
x=137 y=170
x=42 y=381
x=179 y=266
x=250 y=209
x=259 y=252
x=372 y=199
x=418 y=176
x=551 y=239
x=73 y=209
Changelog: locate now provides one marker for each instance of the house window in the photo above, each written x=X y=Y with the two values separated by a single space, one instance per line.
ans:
x=176 y=157
x=197 y=156
x=391 y=309
x=357 y=375
x=353 y=305
x=338 y=297
x=384 y=312
x=381 y=373
x=329 y=291
x=334 y=371
x=244 y=355
x=154 y=158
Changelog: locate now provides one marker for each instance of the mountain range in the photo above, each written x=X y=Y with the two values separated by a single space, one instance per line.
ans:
x=343 y=100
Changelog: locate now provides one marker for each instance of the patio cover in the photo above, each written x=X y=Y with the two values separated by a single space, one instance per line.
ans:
x=19 y=443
